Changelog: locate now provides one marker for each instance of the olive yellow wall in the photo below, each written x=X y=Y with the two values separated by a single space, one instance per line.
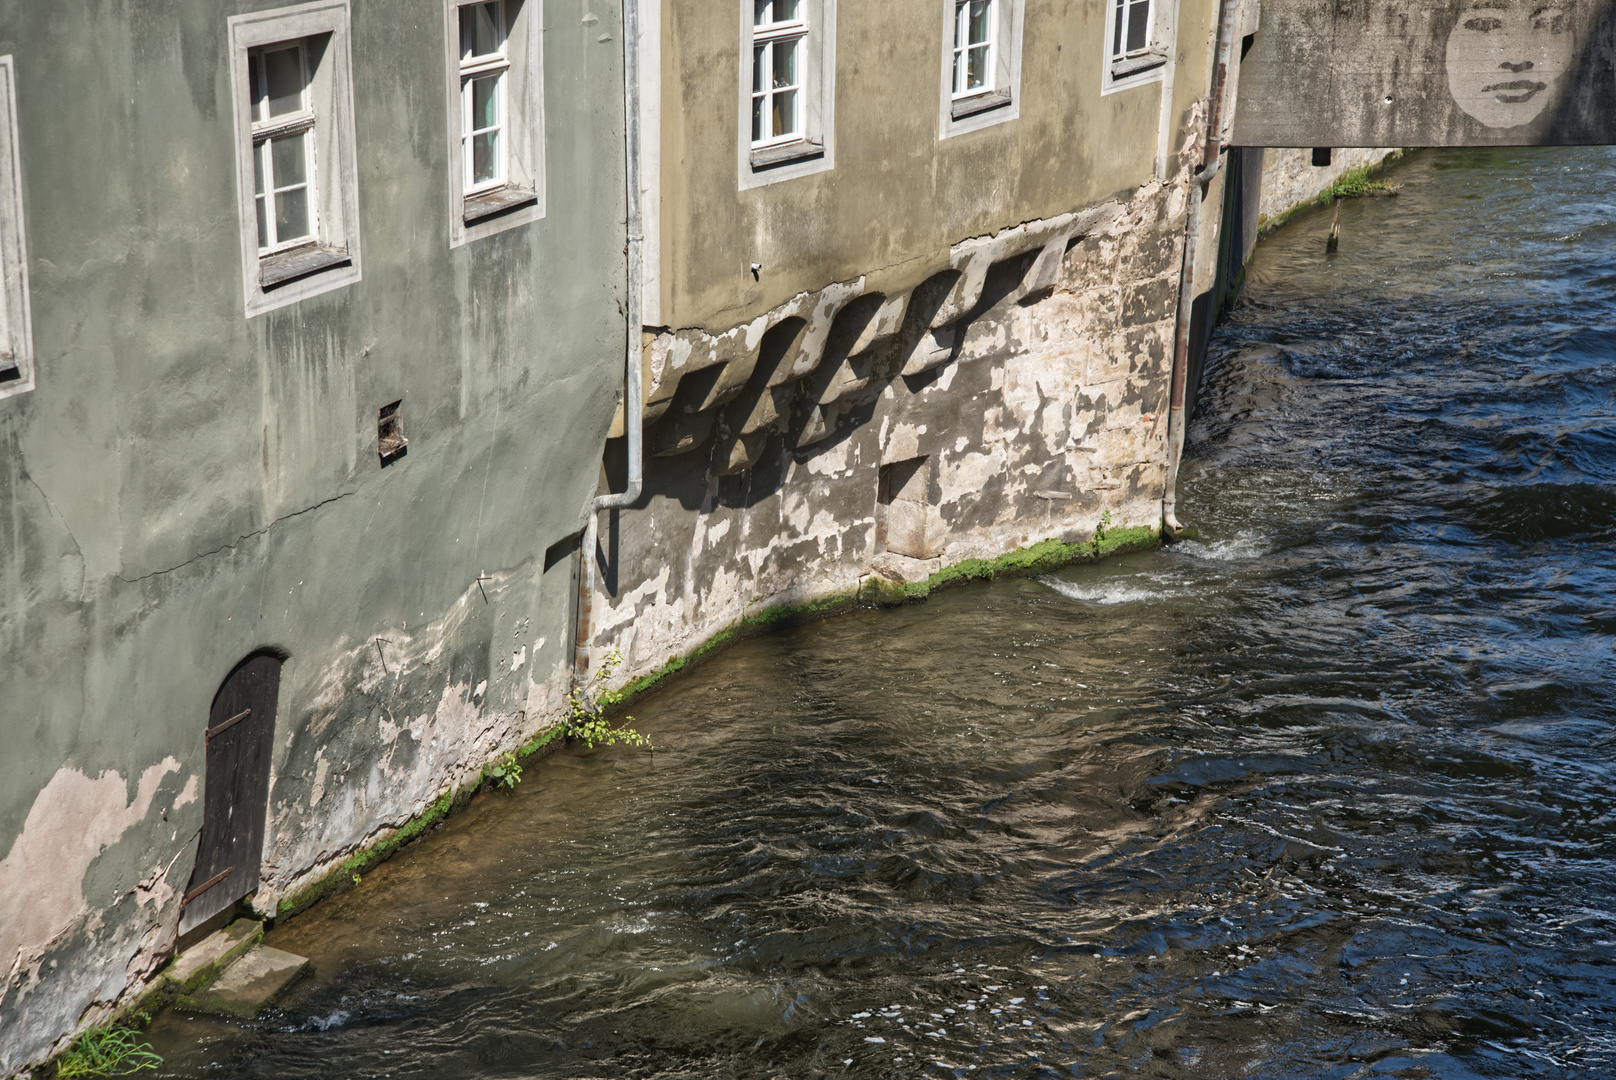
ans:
x=898 y=195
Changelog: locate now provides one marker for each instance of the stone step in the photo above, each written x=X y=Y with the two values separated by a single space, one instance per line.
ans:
x=249 y=985
x=202 y=962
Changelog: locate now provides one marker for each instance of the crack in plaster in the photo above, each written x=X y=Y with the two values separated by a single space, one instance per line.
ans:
x=238 y=541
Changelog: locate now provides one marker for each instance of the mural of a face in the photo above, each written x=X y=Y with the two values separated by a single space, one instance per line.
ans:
x=1506 y=58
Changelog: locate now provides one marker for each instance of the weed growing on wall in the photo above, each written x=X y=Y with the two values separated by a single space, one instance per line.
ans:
x=584 y=717
x=1354 y=184
x=106 y=1051
x=506 y=771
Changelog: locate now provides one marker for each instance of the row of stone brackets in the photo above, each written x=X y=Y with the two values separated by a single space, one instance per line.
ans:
x=795 y=369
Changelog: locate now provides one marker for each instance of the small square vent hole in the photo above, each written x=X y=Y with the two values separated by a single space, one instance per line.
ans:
x=390 y=440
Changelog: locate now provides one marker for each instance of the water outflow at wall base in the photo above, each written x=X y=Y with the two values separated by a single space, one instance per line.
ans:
x=1330 y=794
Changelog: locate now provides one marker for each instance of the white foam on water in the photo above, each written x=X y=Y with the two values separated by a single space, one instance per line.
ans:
x=1118 y=592
x=1237 y=548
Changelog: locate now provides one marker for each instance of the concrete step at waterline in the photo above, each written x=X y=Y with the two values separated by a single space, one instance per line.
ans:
x=249 y=985
x=202 y=962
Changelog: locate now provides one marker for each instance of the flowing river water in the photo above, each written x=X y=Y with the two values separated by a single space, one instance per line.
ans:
x=1328 y=794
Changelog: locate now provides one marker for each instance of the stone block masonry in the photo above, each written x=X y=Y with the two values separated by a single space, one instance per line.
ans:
x=1015 y=395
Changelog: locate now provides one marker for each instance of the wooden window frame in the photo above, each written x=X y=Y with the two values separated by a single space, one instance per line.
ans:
x=810 y=148
x=1126 y=67
x=961 y=49
x=517 y=197
x=496 y=64
x=280 y=275
x=16 y=320
x=267 y=129
x=770 y=37
x=998 y=101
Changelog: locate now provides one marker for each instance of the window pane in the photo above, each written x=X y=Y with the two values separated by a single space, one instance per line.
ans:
x=287 y=160
x=785 y=64
x=979 y=20
x=1122 y=26
x=959 y=69
x=785 y=10
x=283 y=69
x=485 y=157
x=485 y=102
x=1138 y=25
x=479 y=30
x=976 y=73
x=760 y=64
x=292 y=214
x=785 y=112
x=760 y=12
x=263 y=223
x=258 y=169
x=758 y=134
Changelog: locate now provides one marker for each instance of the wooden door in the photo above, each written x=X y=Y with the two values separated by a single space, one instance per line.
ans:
x=235 y=790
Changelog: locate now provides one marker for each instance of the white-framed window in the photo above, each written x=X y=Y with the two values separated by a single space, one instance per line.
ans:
x=16 y=322
x=779 y=40
x=973 y=47
x=291 y=75
x=788 y=81
x=1137 y=34
x=981 y=63
x=283 y=146
x=485 y=73
x=496 y=115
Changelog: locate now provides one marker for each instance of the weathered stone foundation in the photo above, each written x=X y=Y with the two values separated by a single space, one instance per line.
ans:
x=851 y=440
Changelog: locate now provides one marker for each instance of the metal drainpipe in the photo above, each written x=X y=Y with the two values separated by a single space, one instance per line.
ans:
x=633 y=408
x=1211 y=163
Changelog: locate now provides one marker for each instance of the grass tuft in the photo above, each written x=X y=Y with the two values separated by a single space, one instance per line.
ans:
x=106 y=1051
x=1354 y=184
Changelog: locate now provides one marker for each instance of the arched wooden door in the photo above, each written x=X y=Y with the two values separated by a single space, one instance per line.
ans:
x=235 y=790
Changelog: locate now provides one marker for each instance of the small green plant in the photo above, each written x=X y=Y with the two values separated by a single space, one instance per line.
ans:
x=584 y=719
x=106 y=1051
x=1102 y=528
x=1355 y=183
x=356 y=878
x=506 y=771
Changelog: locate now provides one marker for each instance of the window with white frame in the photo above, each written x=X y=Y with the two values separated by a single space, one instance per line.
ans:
x=16 y=325
x=779 y=40
x=291 y=76
x=484 y=77
x=788 y=82
x=1135 y=37
x=973 y=47
x=981 y=63
x=283 y=146
x=496 y=115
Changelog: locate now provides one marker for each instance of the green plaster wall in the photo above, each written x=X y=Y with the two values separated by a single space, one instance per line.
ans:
x=186 y=485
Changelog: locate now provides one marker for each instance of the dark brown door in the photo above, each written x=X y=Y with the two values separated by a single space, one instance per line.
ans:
x=235 y=790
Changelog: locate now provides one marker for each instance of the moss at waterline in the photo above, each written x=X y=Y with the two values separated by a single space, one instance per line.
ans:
x=1354 y=183
x=1037 y=559
x=875 y=590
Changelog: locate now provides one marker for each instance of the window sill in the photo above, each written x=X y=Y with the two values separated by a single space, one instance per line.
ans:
x=1135 y=65
x=979 y=103
x=498 y=201
x=796 y=150
x=288 y=266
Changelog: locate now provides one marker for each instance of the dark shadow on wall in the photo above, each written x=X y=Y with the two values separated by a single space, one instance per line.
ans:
x=734 y=448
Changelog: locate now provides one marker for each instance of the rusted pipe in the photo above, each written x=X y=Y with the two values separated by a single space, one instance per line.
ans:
x=1211 y=163
x=633 y=407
